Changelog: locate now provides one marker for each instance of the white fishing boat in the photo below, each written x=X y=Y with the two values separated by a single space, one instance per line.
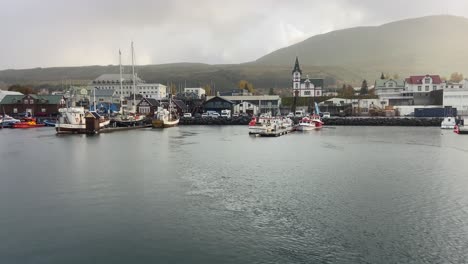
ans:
x=309 y=123
x=72 y=120
x=448 y=123
x=313 y=122
x=164 y=119
x=266 y=123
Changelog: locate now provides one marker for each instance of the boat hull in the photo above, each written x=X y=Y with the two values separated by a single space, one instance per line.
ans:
x=308 y=127
x=76 y=129
x=164 y=124
x=20 y=125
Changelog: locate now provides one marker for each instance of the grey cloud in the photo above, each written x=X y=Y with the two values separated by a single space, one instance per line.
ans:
x=65 y=33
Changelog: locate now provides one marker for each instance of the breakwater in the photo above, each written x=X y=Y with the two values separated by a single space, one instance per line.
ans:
x=337 y=121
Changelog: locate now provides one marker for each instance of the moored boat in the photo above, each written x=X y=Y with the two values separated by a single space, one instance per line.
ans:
x=28 y=122
x=309 y=123
x=72 y=120
x=448 y=123
x=8 y=121
x=164 y=119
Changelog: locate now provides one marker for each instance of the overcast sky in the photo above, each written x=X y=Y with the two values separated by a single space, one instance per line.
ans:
x=47 y=33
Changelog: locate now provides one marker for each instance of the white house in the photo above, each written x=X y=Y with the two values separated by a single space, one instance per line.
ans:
x=112 y=82
x=305 y=87
x=393 y=91
x=199 y=92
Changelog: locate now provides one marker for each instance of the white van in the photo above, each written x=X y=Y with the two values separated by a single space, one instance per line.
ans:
x=226 y=113
x=299 y=113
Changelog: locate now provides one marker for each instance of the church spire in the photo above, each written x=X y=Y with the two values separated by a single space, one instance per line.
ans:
x=297 y=68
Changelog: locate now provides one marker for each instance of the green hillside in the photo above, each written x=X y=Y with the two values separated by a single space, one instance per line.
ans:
x=434 y=44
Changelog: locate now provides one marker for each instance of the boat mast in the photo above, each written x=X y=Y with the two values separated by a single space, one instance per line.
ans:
x=121 y=87
x=133 y=72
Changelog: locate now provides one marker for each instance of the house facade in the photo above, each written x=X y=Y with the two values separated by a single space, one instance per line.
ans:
x=217 y=103
x=393 y=91
x=147 y=106
x=305 y=87
x=34 y=105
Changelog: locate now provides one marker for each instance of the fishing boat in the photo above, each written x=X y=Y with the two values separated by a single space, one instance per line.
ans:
x=448 y=123
x=267 y=123
x=127 y=120
x=460 y=127
x=72 y=120
x=313 y=122
x=28 y=122
x=309 y=123
x=165 y=118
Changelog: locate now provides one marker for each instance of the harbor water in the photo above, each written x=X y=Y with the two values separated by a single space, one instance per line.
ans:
x=199 y=194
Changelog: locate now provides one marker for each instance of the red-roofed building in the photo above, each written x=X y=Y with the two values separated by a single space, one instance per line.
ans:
x=420 y=86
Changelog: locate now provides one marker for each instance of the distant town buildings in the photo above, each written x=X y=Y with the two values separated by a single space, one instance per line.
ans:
x=305 y=87
x=112 y=82
x=34 y=105
x=195 y=92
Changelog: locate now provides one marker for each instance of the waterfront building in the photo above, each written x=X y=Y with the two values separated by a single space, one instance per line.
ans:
x=112 y=82
x=393 y=91
x=420 y=87
x=147 y=106
x=305 y=87
x=195 y=92
x=246 y=107
x=217 y=103
x=456 y=98
x=34 y=105
x=265 y=103
x=4 y=93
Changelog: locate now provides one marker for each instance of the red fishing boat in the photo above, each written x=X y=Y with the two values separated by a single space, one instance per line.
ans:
x=28 y=122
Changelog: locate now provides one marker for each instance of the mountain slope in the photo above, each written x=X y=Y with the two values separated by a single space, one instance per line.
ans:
x=434 y=44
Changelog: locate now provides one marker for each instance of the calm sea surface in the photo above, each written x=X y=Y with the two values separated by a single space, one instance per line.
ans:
x=217 y=195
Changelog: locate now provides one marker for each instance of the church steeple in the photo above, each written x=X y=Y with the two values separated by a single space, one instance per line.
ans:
x=297 y=68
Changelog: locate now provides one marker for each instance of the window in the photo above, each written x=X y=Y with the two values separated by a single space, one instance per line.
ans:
x=43 y=110
x=307 y=93
x=419 y=88
x=434 y=88
x=307 y=85
x=427 y=80
x=427 y=88
x=390 y=84
x=15 y=110
x=296 y=85
x=26 y=101
x=318 y=93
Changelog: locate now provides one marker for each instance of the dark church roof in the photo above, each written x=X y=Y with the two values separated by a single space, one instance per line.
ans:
x=297 y=68
x=315 y=82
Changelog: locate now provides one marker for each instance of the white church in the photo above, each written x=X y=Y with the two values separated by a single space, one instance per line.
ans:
x=305 y=87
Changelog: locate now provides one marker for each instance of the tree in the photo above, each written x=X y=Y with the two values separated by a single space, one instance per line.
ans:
x=271 y=92
x=396 y=76
x=364 y=88
x=22 y=89
x=173 y=88
x=347 y=90
x=382 y=77
x=243 y=84
x=207 y=89
x=456 y=77
x=372 y=91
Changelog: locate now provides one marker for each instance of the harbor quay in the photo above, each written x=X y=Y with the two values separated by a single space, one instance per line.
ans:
x=334 y=121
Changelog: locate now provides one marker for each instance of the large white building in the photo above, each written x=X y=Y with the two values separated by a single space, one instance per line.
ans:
x=111 y=82
x=457 y=98
x=305 y=87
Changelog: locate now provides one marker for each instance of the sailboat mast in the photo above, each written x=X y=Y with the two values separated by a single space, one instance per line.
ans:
x=133 y=72
x=121 y=80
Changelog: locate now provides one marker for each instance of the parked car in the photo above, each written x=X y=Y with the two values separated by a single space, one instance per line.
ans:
x=197 y=115
x=205 y=115
x=187 y=114
x=235 y=115
x=215 y=115
x=326 y=115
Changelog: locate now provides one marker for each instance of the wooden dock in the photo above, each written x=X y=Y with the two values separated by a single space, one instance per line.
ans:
x=115 y=129
x=276 y=133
